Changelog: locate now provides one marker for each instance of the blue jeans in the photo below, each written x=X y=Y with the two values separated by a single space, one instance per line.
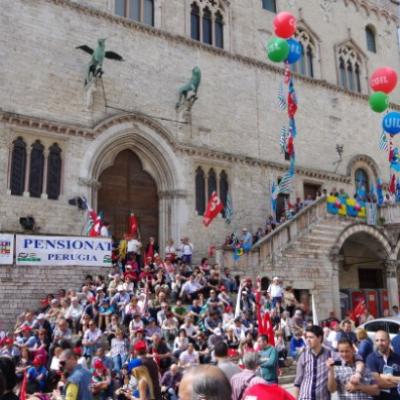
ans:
x=119 y=361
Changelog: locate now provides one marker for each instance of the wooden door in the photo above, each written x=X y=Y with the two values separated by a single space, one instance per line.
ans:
x=126 y=188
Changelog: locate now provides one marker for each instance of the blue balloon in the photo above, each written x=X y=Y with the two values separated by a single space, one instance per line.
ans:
x=295 y=51
x=391 y=123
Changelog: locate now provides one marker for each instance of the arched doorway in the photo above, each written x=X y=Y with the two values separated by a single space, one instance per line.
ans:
x=362 y=273
x=124 y=188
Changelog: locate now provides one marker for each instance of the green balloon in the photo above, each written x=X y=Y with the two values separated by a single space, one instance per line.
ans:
x=277 y=49
x=379 y=101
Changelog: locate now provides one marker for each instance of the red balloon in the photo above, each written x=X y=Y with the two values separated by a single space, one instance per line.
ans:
x=284 y=25
x=383 y=80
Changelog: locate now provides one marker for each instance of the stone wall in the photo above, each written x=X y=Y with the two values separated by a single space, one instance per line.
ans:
x=22 y=287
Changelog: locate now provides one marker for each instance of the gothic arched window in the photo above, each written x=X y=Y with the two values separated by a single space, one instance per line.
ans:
x=54 y=172
x=361 y=179
x=342 y=73
x=211 y=182
x=219 y=30
x=18 y=165
x=370 y=36
x=223 y=189
x=207 y=22
x=200 y=186
x=195 y=22
x=349 y=68
x=269 y=5
x=207 y=26
x=305 y=66
x=36 y=169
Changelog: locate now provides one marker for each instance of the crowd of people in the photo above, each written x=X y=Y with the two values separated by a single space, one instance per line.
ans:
x=154 y=324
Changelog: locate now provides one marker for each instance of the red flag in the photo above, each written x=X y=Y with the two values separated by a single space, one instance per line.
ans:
x=269 y=329
x=22 y=391
x=214 y=207
x=358 y=310
x=290 y=146
x=132 y=225
x=392 y=186
x=96 y=224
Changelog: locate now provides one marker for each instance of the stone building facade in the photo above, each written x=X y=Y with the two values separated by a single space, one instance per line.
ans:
x=230 y=135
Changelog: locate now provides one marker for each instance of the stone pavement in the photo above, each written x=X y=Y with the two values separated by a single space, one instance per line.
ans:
x=289 y=387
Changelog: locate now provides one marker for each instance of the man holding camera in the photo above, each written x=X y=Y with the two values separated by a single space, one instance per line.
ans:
x=348 y=377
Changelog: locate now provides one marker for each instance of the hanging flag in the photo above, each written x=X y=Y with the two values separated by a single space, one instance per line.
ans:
x=22 y=391
x=283 y=139
x=292 y=100
x=269 y=329
x=288 y=74
x=228 y=208
x=292 y=165
x=274 y=196
x=392 y=185
x=286 y=183
x=281 y=98
x=379 y=192
x=214 y=207
x=383 y=142
x=292 y=127
x=290 y=146
x=398 y=190
x=358 y=310
x=132 y=224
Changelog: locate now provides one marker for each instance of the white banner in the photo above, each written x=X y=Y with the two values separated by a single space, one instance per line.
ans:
x=63 y=250
x=6 y=249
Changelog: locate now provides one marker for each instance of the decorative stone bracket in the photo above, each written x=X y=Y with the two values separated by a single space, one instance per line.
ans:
x=89 y=182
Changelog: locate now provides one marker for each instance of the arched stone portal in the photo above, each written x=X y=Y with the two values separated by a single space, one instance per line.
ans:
x=362 y=268
x=152 y=144
x=126 y=188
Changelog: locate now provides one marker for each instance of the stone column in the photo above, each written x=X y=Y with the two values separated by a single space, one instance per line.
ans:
x=391 y=282
x=27 y=171
x=44 y=185
x=337 y=261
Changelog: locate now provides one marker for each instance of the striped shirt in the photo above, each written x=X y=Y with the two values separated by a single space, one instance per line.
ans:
x=243 y=380
x=312 y=375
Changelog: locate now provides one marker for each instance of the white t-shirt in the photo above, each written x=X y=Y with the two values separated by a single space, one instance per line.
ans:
x=275 y=290
x=189 y=359
x=133 y=246
x=187 y=249
x=104 y=231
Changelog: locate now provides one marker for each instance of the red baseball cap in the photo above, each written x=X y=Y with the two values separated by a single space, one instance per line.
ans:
x=140 y=345
x=37 y=361
x=263 y=391
x=8 y=340
x=98 y=364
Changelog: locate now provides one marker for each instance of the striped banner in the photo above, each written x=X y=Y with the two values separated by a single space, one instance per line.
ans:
x=281 y=98
x=228 y=209
x=383 y=142
x=283 y=139
x=285 y=185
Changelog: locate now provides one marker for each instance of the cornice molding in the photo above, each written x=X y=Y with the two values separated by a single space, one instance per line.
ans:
x=191 y=150
x=38 y=124
x=208 y=48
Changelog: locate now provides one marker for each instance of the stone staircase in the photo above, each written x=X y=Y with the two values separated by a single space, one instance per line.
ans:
x=300 y=253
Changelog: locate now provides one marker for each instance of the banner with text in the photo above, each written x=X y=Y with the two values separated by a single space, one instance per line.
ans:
x=6 y=249
x=63 y=250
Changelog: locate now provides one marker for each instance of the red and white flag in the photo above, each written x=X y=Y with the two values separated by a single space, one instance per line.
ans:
x=132 y=225
x=214 y=207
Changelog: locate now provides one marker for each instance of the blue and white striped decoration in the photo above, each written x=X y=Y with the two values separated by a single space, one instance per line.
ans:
x=285 y=185
x=283 y=139
x=383 y=142
x=281 y=98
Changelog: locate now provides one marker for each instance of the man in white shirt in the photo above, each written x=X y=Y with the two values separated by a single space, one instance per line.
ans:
x=190 y=288
x=91 y=339
x=189 y=357
x=275 y=292
x=187 y=251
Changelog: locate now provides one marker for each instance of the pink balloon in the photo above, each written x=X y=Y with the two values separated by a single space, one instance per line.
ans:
x=383 y=80
x=284 y=25
x=338 y=203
